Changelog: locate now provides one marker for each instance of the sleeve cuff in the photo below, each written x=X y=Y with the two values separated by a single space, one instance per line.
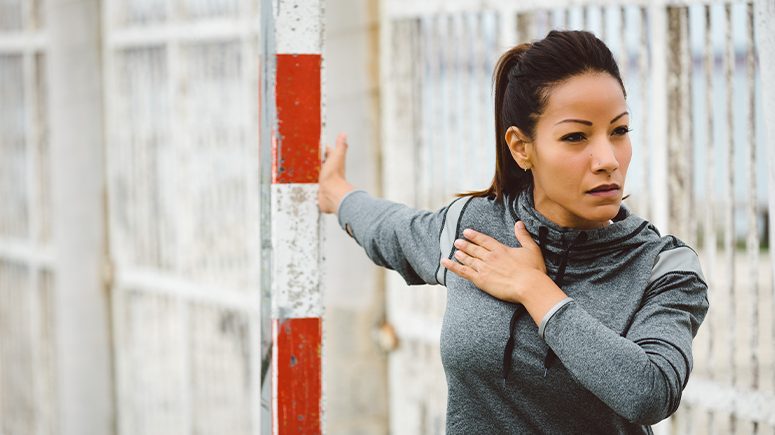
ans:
x=345 y=226
x=549 y=314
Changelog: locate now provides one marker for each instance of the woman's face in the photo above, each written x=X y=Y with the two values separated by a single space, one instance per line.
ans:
x=581 y=152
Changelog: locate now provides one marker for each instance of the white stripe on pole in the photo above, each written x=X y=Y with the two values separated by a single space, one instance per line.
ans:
x=298 y=26
x=295 y=241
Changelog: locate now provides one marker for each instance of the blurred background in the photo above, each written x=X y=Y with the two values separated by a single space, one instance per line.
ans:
x=131 y=199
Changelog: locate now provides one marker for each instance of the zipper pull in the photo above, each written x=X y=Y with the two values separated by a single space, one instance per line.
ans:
x=550 y=356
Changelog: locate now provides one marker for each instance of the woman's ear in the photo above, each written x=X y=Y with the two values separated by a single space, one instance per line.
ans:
x=520 y=148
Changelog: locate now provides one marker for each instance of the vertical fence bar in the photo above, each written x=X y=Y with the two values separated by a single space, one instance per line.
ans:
x=709 y=233
x=33 y=295
x=729 y=217
x=623 y=59
x=478 y=97
x=507 y=29
x=176 y=259
x=295 y=143
x=526 y=28
x=765 y=39
x=643 y=74
x=76 y=142
x=752 y=240
x=679 y=182
x=424 y=152
x=604 y=22
x=250 y=79
x=658 y=112
x=687 y=139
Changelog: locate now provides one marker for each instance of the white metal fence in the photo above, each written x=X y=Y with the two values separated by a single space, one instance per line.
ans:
x=27 y=375
x=182 y=166
x=699 y=171
x=181 y=105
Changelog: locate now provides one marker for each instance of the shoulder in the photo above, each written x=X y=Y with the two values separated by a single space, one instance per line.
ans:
x=481 y=209
x=468 y=210
x=667 y=255
x=675 y=257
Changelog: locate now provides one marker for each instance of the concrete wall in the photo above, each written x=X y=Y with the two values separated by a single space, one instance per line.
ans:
x=355 y=369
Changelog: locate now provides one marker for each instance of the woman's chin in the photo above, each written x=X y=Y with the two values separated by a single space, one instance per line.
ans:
x=603 y=214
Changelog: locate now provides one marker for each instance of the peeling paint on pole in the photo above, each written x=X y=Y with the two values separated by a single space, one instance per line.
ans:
x=295 y=243
x=298 y=26
x=297 y=305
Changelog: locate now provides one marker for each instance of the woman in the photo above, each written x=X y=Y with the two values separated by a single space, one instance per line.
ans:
x=612 y=305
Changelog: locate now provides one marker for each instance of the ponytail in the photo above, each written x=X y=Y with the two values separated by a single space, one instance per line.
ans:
x=507 y=173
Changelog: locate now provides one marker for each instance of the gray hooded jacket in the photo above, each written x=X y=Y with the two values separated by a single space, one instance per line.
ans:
x=612 y=358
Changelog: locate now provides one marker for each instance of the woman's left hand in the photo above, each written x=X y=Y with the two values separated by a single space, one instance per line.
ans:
x=505 y=273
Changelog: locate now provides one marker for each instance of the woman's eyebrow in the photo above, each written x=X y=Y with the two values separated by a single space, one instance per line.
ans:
x=619 y=116
x=585 y=122
x=580 y=121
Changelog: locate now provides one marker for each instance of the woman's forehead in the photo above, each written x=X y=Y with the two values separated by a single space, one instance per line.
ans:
x=590 y=96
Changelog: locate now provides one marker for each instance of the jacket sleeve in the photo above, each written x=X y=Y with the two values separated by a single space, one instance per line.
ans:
x=642 y=374
x=395 y=236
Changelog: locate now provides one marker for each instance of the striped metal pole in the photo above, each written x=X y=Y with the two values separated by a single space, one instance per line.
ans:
x=296 y=300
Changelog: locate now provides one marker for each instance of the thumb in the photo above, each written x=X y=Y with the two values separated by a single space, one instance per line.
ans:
x=341 y=142
x=523 y=236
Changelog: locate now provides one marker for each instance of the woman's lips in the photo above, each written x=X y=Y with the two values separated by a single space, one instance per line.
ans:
x=605 y=193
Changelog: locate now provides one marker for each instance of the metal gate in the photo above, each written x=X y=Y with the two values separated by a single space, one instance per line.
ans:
x=698 y=171
x=181 y=100
x=28 y=398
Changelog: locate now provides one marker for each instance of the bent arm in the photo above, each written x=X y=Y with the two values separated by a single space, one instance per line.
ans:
x=640 y=375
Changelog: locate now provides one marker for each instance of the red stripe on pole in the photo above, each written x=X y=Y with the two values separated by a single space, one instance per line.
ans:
x=298 y=375
x=296 y=152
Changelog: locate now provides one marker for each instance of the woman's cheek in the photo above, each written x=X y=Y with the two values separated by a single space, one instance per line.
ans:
x=624 y=161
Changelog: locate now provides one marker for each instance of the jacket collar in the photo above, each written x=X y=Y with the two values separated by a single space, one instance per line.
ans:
x=623 y=230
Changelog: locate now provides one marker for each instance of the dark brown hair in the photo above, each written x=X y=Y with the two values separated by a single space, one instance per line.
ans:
x=523 y=79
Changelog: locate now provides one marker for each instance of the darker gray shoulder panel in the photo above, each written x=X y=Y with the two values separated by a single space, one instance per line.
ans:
x=678 y=259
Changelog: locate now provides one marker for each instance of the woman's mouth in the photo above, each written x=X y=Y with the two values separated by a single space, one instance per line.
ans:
x=605 y=190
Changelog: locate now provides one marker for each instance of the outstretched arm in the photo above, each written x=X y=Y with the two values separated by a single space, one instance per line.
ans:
x=393 y=235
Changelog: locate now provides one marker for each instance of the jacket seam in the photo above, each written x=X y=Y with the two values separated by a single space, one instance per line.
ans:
x=441 y=230
x=675 y=272
x=457 y=232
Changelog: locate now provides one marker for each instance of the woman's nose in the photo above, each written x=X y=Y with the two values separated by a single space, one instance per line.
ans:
x=603 y=157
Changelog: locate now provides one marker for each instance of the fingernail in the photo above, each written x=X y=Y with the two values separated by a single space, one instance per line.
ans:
x=458 y=242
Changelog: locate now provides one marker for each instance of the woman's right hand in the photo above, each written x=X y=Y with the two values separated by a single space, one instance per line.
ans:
x=332 y=184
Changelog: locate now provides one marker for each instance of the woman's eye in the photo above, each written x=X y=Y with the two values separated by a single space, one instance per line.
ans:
x=573 y=137
x=621 y=131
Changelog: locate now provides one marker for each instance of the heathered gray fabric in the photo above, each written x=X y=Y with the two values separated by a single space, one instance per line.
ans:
x=623 y=344
x=550 y=313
